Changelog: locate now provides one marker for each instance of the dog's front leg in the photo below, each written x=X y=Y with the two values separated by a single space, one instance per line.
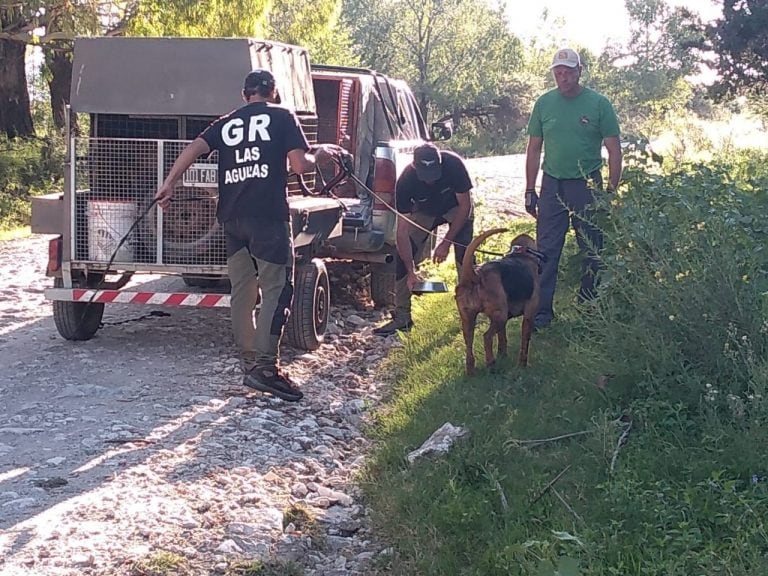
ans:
x=468 y=322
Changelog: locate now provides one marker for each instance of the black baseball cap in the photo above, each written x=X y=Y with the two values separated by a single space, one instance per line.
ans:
x=428 y=162
x=259 y=79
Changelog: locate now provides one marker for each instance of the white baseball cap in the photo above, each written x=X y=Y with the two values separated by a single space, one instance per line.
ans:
x=566 y=57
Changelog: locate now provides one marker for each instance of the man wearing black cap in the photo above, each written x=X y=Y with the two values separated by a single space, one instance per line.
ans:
x=253 y=143
x=433 y=190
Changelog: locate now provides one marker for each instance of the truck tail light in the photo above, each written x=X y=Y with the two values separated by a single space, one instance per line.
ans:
x=54 y=255
x=384 y=179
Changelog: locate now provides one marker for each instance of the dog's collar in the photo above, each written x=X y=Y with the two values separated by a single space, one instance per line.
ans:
x=540 y=257
x=525 y=251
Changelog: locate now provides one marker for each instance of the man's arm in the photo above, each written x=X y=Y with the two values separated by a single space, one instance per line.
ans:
x=613 y=146
x=192 y=151
x=532 y=161
x=532 y=164
x=301 y=161
x=462 y=215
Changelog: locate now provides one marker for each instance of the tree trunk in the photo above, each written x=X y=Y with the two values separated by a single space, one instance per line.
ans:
x=59 y=62
x=15 y=113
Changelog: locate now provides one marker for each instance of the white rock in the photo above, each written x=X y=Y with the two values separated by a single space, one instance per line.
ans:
x=299 y=490
x=229 y=547
x=20 y=503
x=439 y=442
x=20 y=431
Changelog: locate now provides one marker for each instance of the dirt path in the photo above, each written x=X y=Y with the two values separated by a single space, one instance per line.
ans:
x=141 y=446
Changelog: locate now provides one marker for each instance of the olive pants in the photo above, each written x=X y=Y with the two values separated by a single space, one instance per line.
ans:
x=260 y=269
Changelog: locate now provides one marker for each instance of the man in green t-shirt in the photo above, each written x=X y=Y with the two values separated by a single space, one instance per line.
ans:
x=571 y=123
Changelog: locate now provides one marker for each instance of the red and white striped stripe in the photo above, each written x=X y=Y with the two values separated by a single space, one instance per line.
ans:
x=127 y=297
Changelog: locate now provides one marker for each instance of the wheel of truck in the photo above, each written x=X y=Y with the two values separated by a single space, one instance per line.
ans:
x=76 y=320
x=202 y=280
x=306 y=325
x=383 y=285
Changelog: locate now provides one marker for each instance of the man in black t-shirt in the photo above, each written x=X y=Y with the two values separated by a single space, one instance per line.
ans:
x=253 y=143
x=433 y=190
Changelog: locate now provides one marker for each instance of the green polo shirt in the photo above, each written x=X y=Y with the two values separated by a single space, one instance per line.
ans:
x=573 y=130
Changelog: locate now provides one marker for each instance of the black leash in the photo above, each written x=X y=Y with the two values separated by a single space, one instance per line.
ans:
x=346 y=171
x=416 y=225
x=142 y=216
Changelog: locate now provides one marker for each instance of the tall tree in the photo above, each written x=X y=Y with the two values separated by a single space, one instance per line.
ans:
x=457 y=54
x=15 y=114
x=62 y=20
x=202 y=18
x=647 y=77
x=316 y=25
x=740 y=43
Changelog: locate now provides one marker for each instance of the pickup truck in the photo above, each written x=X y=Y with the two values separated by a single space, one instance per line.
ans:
x=136 y=102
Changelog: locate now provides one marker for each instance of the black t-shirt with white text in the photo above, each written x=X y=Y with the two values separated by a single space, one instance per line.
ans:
x=253 y=143
x=437 y=198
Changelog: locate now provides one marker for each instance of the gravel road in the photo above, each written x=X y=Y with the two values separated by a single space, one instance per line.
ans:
x=140 y=446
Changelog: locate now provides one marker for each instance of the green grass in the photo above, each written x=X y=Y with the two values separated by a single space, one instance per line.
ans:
x=679 y=499
x=161 y=563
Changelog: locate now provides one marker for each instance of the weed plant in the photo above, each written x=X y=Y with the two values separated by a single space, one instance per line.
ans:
x=634 y=444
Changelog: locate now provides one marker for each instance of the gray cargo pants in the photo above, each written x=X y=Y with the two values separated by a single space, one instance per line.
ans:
x=260 y=268
x=562 y=201
x=419 y=246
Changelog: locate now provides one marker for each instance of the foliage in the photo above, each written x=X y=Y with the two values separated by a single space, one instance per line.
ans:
x=685 y=281
x=646 y=78
x=27 y=168
x=208 y=18
x=740 y=42
x=431 y=45
x=314 y=25
x=684 y=492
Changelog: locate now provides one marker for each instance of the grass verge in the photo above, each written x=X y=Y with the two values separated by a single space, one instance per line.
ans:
x=642 y=484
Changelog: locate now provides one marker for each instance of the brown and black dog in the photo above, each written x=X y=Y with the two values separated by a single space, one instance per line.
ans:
x=501 y=289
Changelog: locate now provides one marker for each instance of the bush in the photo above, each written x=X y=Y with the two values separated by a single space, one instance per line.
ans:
x=681 y=314
x=27 y=168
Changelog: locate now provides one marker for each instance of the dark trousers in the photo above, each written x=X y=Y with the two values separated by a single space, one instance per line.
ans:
x=564 y=202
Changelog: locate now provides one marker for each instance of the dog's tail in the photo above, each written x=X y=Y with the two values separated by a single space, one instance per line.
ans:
x=468 y=263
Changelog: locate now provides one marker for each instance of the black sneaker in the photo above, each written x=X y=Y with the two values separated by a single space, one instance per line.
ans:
x=272 y=382
x=394 y=326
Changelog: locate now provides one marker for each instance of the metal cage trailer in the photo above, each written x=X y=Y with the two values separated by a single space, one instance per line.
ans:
x=135 y=103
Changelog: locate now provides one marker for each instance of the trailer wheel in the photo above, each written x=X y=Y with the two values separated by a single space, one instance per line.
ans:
x=383 y=285
x=306 y=325
x=76 y=320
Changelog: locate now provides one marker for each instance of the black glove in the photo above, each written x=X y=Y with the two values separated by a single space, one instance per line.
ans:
x=531 y=201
